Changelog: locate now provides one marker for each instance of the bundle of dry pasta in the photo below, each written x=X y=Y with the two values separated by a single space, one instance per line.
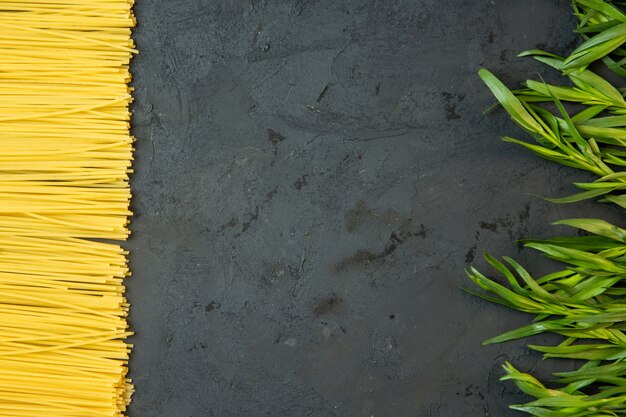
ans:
x=65 y=157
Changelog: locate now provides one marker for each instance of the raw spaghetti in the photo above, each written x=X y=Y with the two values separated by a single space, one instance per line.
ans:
x=65 y=157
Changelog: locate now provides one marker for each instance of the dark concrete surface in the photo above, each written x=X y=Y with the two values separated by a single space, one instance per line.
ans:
x=311 y=179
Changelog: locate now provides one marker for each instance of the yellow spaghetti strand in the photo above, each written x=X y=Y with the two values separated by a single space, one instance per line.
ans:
x=65 y=157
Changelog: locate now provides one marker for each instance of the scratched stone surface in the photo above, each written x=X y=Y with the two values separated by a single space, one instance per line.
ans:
x=312 y=178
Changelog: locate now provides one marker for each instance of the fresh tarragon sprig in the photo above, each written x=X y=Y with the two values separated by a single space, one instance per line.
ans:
x=585 y=302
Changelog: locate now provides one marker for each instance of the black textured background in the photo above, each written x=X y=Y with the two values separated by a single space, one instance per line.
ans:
x=311 y=179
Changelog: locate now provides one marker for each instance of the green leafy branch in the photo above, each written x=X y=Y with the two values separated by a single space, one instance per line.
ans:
x=585 y=301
